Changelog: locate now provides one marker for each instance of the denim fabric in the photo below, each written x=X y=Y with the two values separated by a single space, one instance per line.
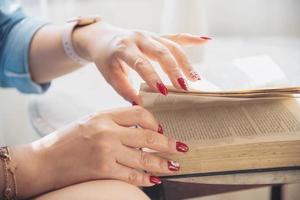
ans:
x=16 y=33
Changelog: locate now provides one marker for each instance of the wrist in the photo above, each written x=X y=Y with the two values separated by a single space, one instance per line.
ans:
x=80 y=42
x=85 y=42
x=91 y=41
x=31 y=175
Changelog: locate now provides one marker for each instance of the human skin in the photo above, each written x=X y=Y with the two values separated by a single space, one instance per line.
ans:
x=103 y=146
x=97 y=190
x=115 y=51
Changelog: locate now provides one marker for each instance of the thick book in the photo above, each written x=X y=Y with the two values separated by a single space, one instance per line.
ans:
x=230 y=131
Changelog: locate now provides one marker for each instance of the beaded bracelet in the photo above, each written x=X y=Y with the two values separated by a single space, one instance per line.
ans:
x=9 y=168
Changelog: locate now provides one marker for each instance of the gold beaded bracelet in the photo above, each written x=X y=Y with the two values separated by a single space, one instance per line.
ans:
x=9 y=168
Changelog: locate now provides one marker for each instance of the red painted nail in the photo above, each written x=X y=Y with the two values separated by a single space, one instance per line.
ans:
x=134 y=103
x=195 y=75
x=182 y=83
x=173 y=166
x=181 y=147
x=160 y=129
x=162 y=88
x=155 y=180
x=205 y=38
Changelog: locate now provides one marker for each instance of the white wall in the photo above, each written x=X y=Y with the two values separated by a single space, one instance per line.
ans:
x=253 y=17
x=230 y=17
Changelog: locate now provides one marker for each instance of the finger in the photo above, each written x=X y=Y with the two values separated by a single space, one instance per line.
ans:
x=117 y=78
x=157 y=51
x=133 y=57
x=138 y=159
x=134 y=177
x=135 y=115
x=180 y=57
x=187 y=39
x=141 y=138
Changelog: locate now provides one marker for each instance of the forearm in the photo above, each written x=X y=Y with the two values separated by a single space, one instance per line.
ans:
x=47 y=58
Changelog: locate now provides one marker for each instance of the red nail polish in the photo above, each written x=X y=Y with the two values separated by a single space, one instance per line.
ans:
x=155 y=180
x=173 y=166
x=162 y=88
x=182 y=83
x=134 y=103
x=195 y=75
x=181 y=147
x=160 y=129
x=205 y=38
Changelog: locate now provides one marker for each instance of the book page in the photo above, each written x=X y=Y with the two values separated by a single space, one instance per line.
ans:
x=275 y=91
x=156 y=101
x=214 y=122
x=242 y=73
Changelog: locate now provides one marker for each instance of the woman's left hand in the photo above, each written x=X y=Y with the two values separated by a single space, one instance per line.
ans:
x=114 y=50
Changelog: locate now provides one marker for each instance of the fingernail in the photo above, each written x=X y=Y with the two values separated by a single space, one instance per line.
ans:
x=181 y=147
x=182 y=83
x=155 y=180
x=162 y=88
x=160 y=129
x=173 y=165
x=205 y=38
x=195 y=75
x=134 y=103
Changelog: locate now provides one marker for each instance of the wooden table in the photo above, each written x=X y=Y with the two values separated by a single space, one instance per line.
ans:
x=182 y=188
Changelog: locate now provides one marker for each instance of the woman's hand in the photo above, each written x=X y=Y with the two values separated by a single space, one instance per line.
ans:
x=114 y=50
x=103 y=146
x=106 y=146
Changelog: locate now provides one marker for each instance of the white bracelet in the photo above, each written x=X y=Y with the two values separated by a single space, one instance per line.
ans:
x=67 y=43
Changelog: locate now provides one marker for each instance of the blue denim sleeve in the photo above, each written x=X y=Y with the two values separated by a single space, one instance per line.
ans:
x=17 y=31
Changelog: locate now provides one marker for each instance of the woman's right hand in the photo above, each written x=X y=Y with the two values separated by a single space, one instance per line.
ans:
x=106 y=146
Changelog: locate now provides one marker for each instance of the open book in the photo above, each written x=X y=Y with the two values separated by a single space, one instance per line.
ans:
x=229 y=131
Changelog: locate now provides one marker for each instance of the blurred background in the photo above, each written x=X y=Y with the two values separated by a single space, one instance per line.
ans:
x=239 y=29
